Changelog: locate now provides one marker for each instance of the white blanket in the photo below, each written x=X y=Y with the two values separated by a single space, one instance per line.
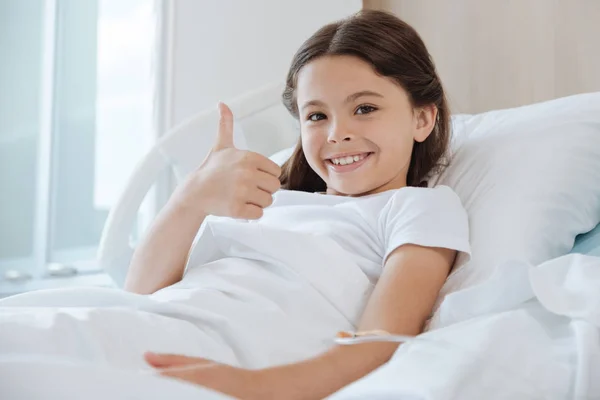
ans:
x=253 y=300
x=531 y=332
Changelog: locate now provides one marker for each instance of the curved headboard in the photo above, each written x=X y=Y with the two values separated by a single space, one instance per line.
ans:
x=262 y=124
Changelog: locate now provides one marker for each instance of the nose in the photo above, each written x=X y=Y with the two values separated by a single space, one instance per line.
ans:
x=338 y=133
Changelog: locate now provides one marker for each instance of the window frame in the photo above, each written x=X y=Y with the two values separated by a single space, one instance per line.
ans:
x=32 y=273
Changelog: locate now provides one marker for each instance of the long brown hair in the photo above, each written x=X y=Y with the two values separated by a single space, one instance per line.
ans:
x=395 y=50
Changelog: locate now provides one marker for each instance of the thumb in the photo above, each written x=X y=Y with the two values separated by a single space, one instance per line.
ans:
x=225 y=131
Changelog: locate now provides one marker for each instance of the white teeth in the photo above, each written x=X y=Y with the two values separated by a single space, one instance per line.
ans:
x=347 y=160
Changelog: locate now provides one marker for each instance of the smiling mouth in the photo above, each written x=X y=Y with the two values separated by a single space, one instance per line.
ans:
x=347 y=160
x=348 y=163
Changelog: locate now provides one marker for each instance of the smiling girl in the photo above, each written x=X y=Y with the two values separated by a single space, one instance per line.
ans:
x=374 y=126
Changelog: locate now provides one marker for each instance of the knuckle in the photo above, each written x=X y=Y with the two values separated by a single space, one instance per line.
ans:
x=269 y=200
x=236 y=210
x=256 y=157
x=273 y=186
x=276 y=183
x=257 y=213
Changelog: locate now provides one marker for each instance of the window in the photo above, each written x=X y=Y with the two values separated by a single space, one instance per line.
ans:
x=78 y=83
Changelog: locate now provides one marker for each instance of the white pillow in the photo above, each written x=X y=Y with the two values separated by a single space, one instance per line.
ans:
x=529 y=178
x=282 y=156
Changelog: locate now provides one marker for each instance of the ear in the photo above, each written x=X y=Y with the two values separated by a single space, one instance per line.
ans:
x=425 y=119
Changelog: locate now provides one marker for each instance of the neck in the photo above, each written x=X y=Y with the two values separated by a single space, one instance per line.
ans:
x=397 y=183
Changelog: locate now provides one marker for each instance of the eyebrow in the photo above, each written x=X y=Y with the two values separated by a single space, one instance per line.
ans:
x=349 y=99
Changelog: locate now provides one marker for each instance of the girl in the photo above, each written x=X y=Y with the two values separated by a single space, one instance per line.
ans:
x=345 y=236
x=374 y=125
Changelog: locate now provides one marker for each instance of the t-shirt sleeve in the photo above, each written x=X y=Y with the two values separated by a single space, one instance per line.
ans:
x=429 y=217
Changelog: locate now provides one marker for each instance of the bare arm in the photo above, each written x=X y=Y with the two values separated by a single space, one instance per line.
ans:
x=159 y=260
x=400 y=303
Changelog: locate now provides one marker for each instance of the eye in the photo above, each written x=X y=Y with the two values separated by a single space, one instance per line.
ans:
x=365 y=109
x=316 y=117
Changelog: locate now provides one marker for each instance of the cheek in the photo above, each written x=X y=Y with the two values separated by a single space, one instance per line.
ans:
x=401 y=150
x=395 y=142
x=311 y=148
x=311 y=153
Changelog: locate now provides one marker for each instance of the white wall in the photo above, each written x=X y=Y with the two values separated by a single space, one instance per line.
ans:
x=227 y=47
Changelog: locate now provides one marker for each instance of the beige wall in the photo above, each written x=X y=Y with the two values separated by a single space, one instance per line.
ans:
x=501 y=53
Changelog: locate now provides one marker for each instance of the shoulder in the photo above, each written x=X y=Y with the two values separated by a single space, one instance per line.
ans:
x=434 y=199
x=431 y=217
x=428 y=211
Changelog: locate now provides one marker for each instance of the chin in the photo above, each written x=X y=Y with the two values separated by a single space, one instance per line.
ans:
x=351 y=189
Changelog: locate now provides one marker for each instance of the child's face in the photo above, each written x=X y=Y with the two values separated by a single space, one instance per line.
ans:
x=358 y=128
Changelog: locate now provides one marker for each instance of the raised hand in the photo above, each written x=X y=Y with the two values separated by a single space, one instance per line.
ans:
x=231 y=182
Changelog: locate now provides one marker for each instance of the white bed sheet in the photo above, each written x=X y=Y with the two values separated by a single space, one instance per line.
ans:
x=31 y=380
x=529 y=333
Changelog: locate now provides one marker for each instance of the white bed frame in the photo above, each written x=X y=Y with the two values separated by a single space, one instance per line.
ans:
x=260 y=119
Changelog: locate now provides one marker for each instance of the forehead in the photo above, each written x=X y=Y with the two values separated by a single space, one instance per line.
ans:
x=335 y=77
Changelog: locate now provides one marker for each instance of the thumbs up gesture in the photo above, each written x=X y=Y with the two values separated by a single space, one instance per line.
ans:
x=231 y=182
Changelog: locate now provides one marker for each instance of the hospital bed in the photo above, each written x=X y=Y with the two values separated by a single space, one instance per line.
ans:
x=452 y=358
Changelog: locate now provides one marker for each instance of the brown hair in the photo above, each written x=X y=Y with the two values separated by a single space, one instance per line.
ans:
x=395 y=50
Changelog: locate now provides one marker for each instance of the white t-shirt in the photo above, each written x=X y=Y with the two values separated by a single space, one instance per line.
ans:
x=369 y=228
x=306 y=269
